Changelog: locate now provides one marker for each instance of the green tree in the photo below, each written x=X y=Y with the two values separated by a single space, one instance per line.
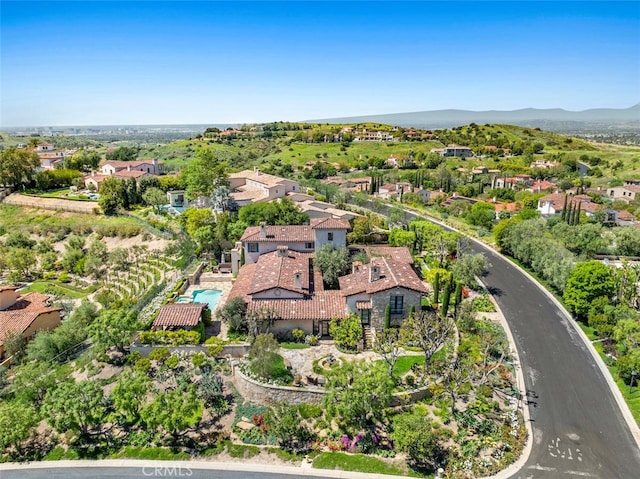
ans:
x=387 y=317
x=388 y=345
x=414 y=435
x=96 y=258
x=285 y=423
x=114 y=328
x=129 y=396
x=588 y=281
x=75 y=406
x=18 y=422
x=233 y=313
x=400 y=237
x=154 y=197
x=18 y=168
x=14 y=345
x=467 y=267
x=123 y=153
x=332 y=263
x=205 y=173
x=21 y=262
x=358 y=391
x=113 y=196
x=175 y=411
x=427 y=331
x=482 y=214
x=346 y=332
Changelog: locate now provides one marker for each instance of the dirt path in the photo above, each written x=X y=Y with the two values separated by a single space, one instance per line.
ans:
x=17 y=199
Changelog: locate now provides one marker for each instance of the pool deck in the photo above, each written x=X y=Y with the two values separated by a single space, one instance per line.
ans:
x=219 y=281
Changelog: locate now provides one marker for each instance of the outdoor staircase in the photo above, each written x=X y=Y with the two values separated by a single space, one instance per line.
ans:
x=367 y=335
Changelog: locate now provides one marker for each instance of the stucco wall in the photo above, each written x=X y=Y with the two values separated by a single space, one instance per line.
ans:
x=283 y=294
x=7 y=298
x=286 y=325
x=339 y=237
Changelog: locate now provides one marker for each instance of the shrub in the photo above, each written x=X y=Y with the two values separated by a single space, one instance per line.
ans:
x=308 y=411
x=311 y=340
x=172 y=362
x=298 y=335
x=214 y=346
x=170 y=338
x=159 y=354
x=143 y=365
x=198 y=359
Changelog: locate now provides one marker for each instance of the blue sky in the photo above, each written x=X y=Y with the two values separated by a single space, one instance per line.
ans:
x=83 y=63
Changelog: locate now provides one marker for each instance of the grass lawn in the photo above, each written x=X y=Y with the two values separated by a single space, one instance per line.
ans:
x=404 y=363
x=290 y=345
x=356 y=462
x=63 y=289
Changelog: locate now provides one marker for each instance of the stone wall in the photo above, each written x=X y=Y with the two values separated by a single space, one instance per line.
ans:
x=233 y=350
x=379 y=302
x=270 y=394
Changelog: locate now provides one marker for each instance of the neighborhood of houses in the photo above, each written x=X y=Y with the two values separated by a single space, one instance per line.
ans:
x=273 y=266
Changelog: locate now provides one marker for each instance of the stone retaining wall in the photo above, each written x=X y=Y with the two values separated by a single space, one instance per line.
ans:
x=270 y=394
x=233 y=350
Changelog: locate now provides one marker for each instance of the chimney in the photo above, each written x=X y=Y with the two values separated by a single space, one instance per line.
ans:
x=256 y=170
x=283 y=250
x=355 y=266
x=263 y=230
x=297 y=280
x=374 y=273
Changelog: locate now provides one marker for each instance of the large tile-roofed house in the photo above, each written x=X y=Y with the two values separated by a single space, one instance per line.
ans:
x=384 y=281
x=97 y=179
x=249 y=186
x=178 y=316
x=284 y=283
x=25 y=314
x=553 y=203
x=627 y=193
x=153 y=167
x=279 y=277
x=258 y=240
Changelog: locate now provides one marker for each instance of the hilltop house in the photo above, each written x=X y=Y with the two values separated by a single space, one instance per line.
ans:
x=454 y=150
x=24 y=314
x=628 y=192
x=110 y=168
x=553 y=203
x=279 y=280
x=49 y=156
x=249 y=186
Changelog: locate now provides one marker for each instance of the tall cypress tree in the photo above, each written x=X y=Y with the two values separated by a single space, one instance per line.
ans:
x=576 y=219
x=436 y=287
x=446 y=297
x=563 y=216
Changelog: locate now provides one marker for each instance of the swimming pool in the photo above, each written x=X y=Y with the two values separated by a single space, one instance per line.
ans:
x=207 y=296
x=183 y=299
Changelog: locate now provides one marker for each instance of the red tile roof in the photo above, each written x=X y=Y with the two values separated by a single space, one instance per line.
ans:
x=392 y=274
x=129 y=174
x=20 y=315
x=329 y=224
x=125 y=164
x=179 y=315
x=279 y=234
x=323 y=306
x=624 y=215
x=278 y=269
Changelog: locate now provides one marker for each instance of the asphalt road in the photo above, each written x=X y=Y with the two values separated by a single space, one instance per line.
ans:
x=578 y=429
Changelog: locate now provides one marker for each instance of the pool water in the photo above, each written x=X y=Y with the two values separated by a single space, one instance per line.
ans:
x=183 y=299
x=207 y=296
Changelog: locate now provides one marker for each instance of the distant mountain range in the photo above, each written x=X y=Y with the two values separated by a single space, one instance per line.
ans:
x=554 y=119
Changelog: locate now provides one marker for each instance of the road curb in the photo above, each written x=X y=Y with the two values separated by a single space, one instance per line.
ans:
x=175 y=468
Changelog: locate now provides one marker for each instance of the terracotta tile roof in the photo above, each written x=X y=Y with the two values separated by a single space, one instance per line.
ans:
x=179 y=314
x=557 y=200
x=259 y=177
x=363 y=305
x=510 y=207
x=243 y=282
x=395 y=253
x=96 y=178
x=117 y=164
x=392 y=274
x=129 y=174
x=289 y=233
x=278 y=269
x=323 y=306
x=19 y=316
x=329 y=224
x=542 y=185
x=279 y=234
x=624 y=215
